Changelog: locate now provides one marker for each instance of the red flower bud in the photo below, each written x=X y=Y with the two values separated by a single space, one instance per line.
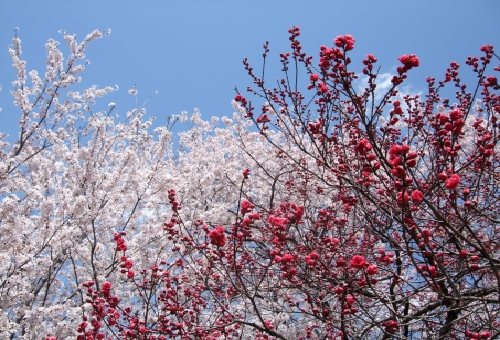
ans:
x=442 y=176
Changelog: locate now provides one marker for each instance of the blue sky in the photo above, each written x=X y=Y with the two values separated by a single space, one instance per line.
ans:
x=191 y=51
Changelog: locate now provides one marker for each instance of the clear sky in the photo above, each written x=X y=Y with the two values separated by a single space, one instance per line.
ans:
x=191 y=51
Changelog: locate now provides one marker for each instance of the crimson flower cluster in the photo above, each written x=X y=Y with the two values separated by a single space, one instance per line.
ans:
x=217 y=236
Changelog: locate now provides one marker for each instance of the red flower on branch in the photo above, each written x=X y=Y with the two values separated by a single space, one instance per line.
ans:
x=357 y=261
x=346 y=41
x=452 y=182
x=417 y=196
x=217 y=236
x=409 y=61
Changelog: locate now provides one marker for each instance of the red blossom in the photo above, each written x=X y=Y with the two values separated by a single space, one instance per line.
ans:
x=485 y=335
x=346 y=41
x=442 y=176
x=491 y=81
x=456 y=114
x=409 y=61
x=417 y=196
x=287 y=258
x=357 y=261
x=402 y=198
x=106 y=287
x=323 y=88
x=370 y=58
x=246 y=207
x=217 y=236
x=452 y=182
x=372 y=269
x=487 y=48
x=395 y=149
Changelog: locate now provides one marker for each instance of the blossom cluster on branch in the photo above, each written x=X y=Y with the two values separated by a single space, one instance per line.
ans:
x=325 y=214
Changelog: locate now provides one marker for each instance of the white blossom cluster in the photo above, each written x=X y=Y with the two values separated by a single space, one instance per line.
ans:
x=72 y=180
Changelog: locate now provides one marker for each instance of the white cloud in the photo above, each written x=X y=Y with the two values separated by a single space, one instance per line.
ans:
x=384 y=83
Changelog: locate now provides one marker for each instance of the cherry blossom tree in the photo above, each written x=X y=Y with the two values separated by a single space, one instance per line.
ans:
x=329 y=213
x=76 y=181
